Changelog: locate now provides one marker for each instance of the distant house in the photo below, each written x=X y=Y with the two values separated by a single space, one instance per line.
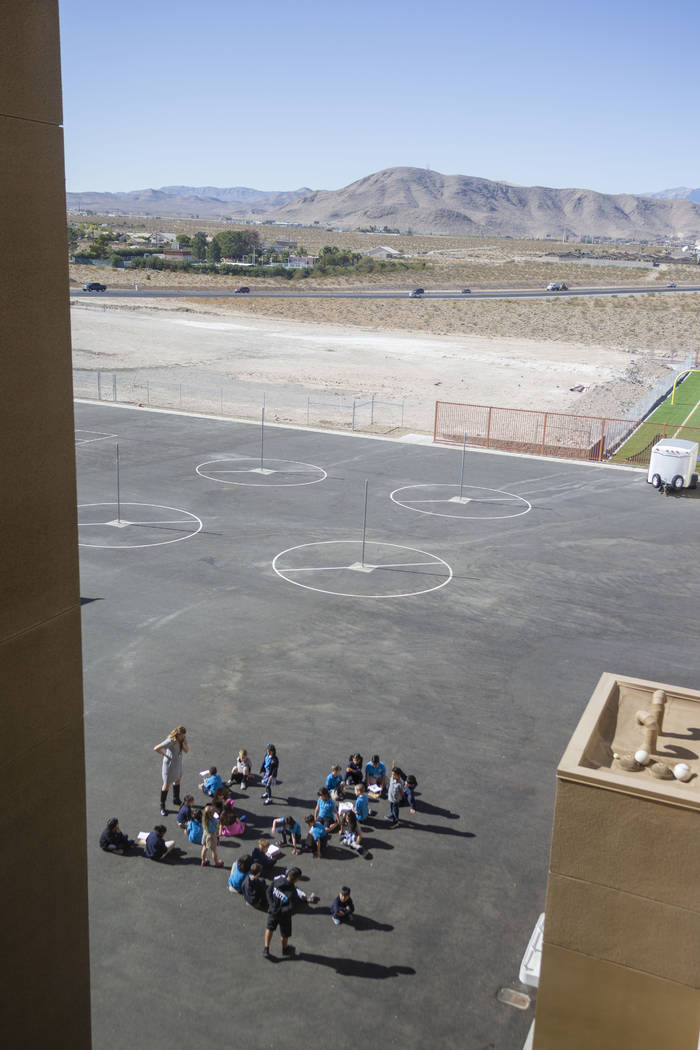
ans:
x=182 y=254
x=383 y=252
x=299 y=262
x=282 y=246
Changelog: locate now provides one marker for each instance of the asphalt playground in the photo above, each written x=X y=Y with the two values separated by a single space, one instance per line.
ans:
x=331 y=593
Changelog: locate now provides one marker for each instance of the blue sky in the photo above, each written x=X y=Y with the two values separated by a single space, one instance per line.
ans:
x=280 y=95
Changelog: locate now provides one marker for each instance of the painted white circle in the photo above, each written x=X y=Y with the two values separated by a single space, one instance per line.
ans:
x=475 y=503
x=272 y=473
x=110 y=525
x=387 y=570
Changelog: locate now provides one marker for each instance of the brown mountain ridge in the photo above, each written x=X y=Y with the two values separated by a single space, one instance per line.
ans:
x=426 y=201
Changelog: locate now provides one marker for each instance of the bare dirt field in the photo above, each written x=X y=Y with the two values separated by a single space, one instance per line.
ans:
x=312 y=358
x=328 y=352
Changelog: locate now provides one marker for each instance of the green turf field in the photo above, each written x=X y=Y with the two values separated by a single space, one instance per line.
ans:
x=664 y=421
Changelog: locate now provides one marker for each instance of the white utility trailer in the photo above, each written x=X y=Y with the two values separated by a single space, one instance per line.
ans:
x=672 y=464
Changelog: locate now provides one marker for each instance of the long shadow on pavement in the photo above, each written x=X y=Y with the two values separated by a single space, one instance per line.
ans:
x=356 y=967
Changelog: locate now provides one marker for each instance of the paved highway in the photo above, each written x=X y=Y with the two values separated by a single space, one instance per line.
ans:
x=509 y=293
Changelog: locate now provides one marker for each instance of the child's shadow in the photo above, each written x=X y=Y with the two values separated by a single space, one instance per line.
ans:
x=302 y=803
x=361 y=923
x=436 y=811
x=376 y=844
x=436 y=829
x=356 y=967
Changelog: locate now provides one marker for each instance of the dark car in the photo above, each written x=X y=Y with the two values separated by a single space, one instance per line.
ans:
x=416 y=293
x=241 y=290
x=466 y=291
x=94 y=286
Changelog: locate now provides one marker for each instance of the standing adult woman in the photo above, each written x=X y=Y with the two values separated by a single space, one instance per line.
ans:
x=171 y=749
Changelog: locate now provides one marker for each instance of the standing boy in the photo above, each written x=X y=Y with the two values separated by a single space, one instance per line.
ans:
x=268 y=771
x=395 y=796
x=282 y=900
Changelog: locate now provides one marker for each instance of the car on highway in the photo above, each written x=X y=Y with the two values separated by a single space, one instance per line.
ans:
x=241 y=290
x=94 y=286
x=672 y=285
x=466 y=291
x=557 y=286
x=416 y=293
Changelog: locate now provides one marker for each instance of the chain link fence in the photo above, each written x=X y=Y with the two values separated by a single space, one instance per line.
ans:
x=366 y=413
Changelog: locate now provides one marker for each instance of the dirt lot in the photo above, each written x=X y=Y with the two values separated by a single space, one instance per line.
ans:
x=517 y=353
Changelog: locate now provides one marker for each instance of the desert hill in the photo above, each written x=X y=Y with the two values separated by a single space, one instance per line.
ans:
x=426 y=202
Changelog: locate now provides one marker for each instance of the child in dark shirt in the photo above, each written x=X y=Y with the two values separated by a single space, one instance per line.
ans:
x=185 y=812
x=254 y=888
x=409 y=792
x=156 y=846
x=113 y=840
x=283 y=900
x=354 y=773
x=342 y=908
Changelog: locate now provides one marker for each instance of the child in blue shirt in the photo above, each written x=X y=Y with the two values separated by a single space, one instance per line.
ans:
x=290 y=830
x=334 y=783
x=362 y=810
x=326 y=810
x=239 y=870
x=268 y=772
x=317 y=838
x=194 y=828
x=212 y=783
x=375 y=773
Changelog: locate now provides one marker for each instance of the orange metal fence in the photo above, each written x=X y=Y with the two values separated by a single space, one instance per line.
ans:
x=553 y=433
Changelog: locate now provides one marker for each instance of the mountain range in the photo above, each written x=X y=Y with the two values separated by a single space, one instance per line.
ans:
x=679 y=191
x=424 y=201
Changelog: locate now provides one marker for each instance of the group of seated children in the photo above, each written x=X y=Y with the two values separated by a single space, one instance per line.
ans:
x=241 y=774
x=114 y=840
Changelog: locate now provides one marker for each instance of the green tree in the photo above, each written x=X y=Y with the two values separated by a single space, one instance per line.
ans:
x=184 y=240
x=73 y=238
x=213 y=251
x=236 y=244
x=199 y=246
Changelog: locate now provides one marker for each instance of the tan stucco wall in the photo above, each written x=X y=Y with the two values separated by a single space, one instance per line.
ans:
x=46 y=982
x=588 y=1004
x=621 y=952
